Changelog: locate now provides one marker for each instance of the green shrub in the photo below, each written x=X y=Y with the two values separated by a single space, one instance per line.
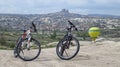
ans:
x=54 y=35
x=2 y=41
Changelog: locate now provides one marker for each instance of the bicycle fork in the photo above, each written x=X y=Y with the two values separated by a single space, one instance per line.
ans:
x=28 y=43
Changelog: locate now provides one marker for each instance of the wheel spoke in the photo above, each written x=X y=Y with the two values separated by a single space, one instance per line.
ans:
x=66 y=53
x=22 y=52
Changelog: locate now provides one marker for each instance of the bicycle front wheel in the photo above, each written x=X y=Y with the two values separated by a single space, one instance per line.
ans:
x=68 y=49
x=28 y=53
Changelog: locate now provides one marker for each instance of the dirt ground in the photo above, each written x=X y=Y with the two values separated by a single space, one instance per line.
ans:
x=102 y=54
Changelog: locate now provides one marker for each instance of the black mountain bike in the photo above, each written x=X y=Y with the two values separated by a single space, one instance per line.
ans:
x=68 y=46
x=27 y=48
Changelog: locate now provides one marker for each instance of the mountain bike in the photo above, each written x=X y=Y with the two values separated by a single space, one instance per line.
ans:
x=27 y=48
x=68 y=46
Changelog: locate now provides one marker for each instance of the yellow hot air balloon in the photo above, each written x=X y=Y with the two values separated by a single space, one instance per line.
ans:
x=94 y=32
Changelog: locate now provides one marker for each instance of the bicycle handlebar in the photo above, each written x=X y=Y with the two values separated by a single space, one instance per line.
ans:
x=72 y=25
x=34 y=26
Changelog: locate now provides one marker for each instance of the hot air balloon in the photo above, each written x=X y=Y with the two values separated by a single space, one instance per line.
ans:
x=94 y=32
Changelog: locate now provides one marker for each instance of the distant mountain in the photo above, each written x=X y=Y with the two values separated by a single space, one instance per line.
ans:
x=67 y=14
x=62 y=13
x=104 y=15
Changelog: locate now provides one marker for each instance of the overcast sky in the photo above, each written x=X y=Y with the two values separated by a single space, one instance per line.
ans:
x=111 y=7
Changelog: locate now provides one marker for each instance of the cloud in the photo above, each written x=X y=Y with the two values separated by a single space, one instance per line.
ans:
x=46 y=6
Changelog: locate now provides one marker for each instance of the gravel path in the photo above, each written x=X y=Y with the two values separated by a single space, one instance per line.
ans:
x=101 y=54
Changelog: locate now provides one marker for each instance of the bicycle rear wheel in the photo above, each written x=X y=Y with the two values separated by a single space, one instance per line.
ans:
x=31 y=53
x=67 y=49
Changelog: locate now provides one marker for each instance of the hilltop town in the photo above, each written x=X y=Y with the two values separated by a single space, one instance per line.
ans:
x=58 y=20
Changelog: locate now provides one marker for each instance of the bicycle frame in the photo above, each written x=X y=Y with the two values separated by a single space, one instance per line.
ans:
x=69 y=33
x=25 y=35
x=68 y=37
